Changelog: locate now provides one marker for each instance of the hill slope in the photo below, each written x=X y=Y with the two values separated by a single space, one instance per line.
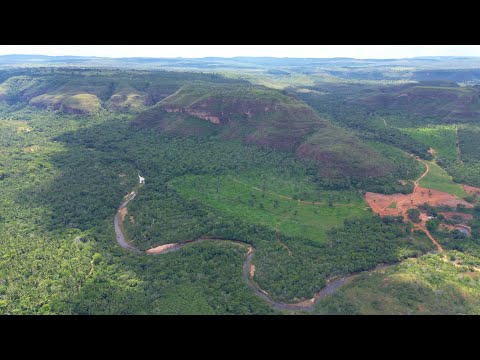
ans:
x=86 y=92
x=446 y=103
x=267 y=118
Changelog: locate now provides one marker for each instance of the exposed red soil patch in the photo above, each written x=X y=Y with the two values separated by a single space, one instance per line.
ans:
x=452 y=214
x=380 y=203
x=471 y=190
x=437 y=198
x=422 y=226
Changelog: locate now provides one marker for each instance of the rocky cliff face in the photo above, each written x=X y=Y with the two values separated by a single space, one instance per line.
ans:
x=204 y=115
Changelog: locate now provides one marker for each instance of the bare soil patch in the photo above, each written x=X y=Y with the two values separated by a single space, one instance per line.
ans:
x=471 y=190
x=381 y=204
x=123 y=212
x=163 y=248
x=452 y=214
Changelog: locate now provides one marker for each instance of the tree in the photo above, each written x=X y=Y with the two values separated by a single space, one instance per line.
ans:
x=414 y=215
x=469 y=198
x=433 y=224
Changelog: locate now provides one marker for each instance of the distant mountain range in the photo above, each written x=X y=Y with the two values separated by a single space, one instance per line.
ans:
x=255 y=62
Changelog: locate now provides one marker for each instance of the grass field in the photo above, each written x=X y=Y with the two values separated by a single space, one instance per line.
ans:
x=441 y=138
x=261 y=199
x=427 y=285
x=294 y=184
x=438 y=179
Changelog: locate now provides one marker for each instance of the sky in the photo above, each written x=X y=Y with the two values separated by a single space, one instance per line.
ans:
x=197 y=51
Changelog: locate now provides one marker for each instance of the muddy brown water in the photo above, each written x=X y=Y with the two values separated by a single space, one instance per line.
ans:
x=118 y=225
x=305 y=305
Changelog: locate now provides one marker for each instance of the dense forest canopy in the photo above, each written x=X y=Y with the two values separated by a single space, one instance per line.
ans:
x=278 y=159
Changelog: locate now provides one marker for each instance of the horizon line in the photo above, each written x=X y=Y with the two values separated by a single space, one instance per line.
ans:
x=242 y=56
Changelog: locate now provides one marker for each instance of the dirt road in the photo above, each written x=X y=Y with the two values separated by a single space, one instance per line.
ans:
x=382 y=204
x=422 y=225
x=427 y=170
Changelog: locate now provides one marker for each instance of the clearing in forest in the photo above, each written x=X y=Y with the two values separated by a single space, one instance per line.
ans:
x=264 y=203
x=438 y=179
x=442 y=138
x=381 y=204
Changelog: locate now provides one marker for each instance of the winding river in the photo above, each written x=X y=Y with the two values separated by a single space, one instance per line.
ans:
x=248 y=267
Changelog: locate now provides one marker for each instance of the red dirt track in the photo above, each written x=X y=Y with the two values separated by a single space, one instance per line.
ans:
x=380 y=203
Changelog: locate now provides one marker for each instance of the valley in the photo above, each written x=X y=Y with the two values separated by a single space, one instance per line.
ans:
x=274 y=191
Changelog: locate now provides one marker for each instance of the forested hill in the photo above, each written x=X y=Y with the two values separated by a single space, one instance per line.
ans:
x=268 y=118
x=287 y=161
x=195 y=104
x=85 y=92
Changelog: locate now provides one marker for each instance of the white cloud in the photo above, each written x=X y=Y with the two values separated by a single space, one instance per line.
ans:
x=355 y=51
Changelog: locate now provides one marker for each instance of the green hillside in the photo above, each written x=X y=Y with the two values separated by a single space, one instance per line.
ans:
x=441 y=138
x=268 y=118
x=87 y=91
x=439 y=179
x=425 y=286
x=435 y=104
x=257 y=186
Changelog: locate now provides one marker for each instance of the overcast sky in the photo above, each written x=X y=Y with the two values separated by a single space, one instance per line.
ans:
x=312 y=51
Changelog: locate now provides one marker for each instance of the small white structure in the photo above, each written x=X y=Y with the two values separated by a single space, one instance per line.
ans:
x=141 y=180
